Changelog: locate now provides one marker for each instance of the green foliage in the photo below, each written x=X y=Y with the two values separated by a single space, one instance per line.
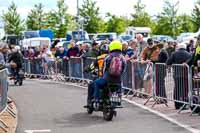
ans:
x=96 y=23
x=12 y=20
x=196 y=16
x=35 y=18
x=140 y=17
x=59 y=20
x=167 y=21
x=186 y=24
x=116 y=24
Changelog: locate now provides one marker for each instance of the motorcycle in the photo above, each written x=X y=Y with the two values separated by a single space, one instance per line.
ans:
x=18 y=77
x=110 y=100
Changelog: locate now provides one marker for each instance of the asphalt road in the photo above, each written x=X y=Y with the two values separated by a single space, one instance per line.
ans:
x=46 y=105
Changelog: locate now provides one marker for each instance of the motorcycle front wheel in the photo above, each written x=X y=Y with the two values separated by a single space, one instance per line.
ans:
x=20 y=82
x=108 y=114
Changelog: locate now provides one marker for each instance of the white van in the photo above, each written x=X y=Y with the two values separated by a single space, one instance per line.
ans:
x=133 y=31
x=37 y=42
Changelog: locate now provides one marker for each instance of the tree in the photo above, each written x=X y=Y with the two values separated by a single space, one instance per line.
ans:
x=116 y=24
x=95 y=24
x=140 y=18
x=59 y=20
x=186 y=24
x=167 y=21
x=196 y=15
x=12 y=20
x=35 y=20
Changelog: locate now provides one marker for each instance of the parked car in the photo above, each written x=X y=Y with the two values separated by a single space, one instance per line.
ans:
x=105 y=36
x=91 y=36
x=65 y=44
x=77 y=35
x=126 y=38
x=133 y=31
x=162 y=38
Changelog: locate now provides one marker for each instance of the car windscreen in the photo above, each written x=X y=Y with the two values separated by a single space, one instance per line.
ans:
x=78 y=35
x=31 y=34
x=125 y=38
x=103 y=37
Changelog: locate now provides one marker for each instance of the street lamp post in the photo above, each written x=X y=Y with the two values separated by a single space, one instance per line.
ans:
x=81 y=22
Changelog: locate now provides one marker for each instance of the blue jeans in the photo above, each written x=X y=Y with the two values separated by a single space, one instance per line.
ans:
x=100 y=83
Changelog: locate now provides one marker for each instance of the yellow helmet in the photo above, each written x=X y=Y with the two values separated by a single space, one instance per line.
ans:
x=115 y=45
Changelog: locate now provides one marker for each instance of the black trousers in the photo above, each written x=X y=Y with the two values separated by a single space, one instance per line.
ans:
x=90 y=91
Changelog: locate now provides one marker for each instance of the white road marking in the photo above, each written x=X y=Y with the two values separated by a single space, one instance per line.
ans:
x=37 y=131
x=189 y=128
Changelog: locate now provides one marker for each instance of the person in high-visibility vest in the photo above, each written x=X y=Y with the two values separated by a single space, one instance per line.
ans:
x=97 y=65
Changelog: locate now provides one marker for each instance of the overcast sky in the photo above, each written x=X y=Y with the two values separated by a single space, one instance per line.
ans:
x=118 y=7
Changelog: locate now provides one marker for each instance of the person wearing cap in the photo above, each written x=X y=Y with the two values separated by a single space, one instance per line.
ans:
x=180 y=56
x=190 y=47
x=170 y=48
x=149 y=54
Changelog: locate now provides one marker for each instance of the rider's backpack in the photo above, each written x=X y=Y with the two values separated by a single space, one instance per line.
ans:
x=115 y=68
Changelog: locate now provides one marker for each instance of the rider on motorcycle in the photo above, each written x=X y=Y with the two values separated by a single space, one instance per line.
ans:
x=114 y=66
x=97 y=64
x=17 y=58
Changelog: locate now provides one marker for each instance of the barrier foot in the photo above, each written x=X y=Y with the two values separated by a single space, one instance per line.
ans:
x=160 y=100
x=134 y=94
x=182 y=108
x=193 y=110
x=148 y=100
x=128 y=93
x=166 y=104
x=156 y=102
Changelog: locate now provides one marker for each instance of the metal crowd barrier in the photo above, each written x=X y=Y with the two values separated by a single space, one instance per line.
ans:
x=141 y=77
x=3 y=96
x=127 y=77
x=3 y=89
x=172 y=84
x=158 y=81
x=195 y=90
x=76 y=68
x=39 y=68
x=86 y=63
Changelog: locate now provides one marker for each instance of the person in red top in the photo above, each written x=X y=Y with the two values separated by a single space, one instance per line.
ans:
x=73 y=51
